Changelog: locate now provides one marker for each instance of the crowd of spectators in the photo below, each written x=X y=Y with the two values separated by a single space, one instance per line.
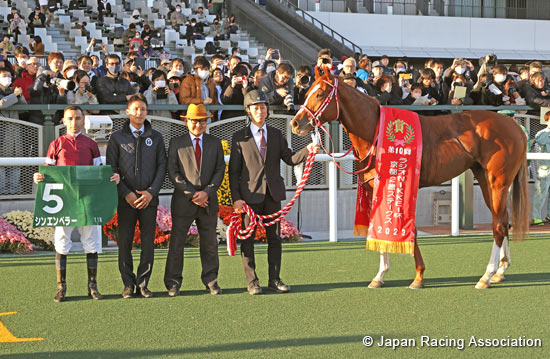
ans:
x=222 y=78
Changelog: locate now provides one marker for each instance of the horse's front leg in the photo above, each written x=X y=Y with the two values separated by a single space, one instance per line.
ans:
x=418 y=281
x=504 y=262
x=378 y=280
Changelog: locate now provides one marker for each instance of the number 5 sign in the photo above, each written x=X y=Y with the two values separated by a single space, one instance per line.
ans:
x=75 y=196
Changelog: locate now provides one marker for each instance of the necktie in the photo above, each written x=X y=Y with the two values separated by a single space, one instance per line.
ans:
x=263 y=144
x=137 y=133
x=198 y=153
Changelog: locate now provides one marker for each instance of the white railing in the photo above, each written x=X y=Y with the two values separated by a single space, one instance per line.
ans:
x=332 y=185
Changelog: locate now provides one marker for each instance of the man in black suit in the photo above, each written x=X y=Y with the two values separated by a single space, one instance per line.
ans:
x=255 y=179
x=196 y=168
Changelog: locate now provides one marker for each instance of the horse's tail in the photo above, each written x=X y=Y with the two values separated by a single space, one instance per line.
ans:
x=520 y=203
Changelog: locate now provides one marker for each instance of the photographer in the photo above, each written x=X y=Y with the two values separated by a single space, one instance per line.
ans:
x=48 y=88
x=462 y=67
x=278 y=86
x=159 y=94
x=503 y=90
x=324 y=61
x=304 y=79
x=136 y=72
x=82 y=94
x=36 y=45
x=235 y=92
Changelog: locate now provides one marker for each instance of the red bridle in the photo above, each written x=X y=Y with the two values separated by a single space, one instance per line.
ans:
x=315 y=122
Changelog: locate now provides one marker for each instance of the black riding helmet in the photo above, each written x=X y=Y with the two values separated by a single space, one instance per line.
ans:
x=254 y=97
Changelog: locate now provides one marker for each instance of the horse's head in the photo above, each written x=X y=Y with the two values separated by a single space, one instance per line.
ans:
x=318 y=107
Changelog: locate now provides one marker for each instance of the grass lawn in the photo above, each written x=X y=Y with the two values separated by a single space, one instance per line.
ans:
x=327 y=314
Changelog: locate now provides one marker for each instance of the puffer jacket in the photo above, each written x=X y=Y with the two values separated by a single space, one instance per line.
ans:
x=113 y=90
x=140 y=162
x=190 y=90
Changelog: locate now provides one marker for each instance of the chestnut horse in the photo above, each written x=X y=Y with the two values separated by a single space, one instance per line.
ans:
x=493 y=146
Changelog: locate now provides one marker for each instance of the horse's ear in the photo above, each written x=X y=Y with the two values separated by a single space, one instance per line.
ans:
x=327 y=75
x=317 y=74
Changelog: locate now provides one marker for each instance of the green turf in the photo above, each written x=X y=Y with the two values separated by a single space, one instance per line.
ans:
x=328 y=312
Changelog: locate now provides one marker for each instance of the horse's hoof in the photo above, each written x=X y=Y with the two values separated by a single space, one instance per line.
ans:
x=416 y=285
x=482 y=284
x=497 y=278
x=376 y=284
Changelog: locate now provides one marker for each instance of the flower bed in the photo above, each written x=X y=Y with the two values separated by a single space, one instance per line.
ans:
x=40 y=236
x=12 y=240
x=163 y=228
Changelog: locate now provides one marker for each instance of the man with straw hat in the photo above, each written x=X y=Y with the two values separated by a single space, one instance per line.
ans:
x=196 y=167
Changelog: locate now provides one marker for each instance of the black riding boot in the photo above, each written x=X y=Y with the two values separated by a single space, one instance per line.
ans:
x=60 y=266
x=61 y=285
x=91 y=261
x=92 y=284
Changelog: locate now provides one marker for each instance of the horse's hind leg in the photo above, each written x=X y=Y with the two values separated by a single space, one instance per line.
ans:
x=378 y=280
x=418 y=281
x=495 y=195
x=504 y=262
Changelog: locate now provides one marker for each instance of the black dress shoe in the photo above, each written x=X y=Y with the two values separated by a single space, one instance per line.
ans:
x=214 y=289
x=174 y=291
x=254 y=288
x=145 y=293
x=278 y=286
x=128 y=291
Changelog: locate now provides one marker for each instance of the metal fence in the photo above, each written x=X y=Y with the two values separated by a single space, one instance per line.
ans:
x=23 y=139
x=512 y=9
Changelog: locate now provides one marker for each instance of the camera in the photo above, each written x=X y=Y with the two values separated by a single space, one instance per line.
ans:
x=489 y=60
x=275 y=54
x=325 y=60
x=461 y=62
x=289 y=102
x=161 y=93
x=68 y=85
x=89 y=88
x=304 y=80
x=240 y=79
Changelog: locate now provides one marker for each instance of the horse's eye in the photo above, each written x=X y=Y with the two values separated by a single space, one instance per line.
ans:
x=319 y=95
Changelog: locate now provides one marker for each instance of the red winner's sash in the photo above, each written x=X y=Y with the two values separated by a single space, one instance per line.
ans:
x=398 y=160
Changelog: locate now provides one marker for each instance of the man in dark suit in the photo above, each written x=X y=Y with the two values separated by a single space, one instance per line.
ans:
x=255 y=179
x=196 y=168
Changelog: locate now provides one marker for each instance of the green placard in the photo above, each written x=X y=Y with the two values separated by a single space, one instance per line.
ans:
x=75 y=196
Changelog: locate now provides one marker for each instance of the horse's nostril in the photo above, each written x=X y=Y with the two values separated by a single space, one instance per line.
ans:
x=293 y=123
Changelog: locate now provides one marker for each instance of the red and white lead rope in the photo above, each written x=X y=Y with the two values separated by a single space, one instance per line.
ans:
x=234 y=230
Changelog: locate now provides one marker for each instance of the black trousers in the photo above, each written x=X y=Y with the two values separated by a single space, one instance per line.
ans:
x=127 y=218
x=206 y=224
x=274 y=247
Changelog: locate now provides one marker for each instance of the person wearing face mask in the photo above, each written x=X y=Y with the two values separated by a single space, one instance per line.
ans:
x=216 y=30
x=198 y=87
x=21 y=56
x=174 y=81
x=177 y=18
x=177 y=66
x=159 y=94
x=11 y=137
x=194 y=31
x=46 y=89
x=414 y=94
x=135 y=42
x=27 y=77
x=502 y=90
x=458 y=82
x=112 y=88
x=383 y=87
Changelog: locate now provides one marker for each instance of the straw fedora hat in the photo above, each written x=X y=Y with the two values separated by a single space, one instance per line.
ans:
x=196 y=112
